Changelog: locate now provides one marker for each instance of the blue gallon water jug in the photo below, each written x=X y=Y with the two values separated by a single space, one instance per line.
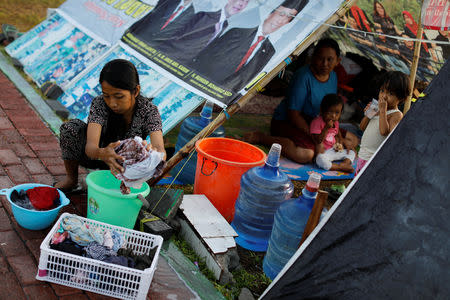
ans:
x=289 y=224
x=189 y=128
x=262 y=190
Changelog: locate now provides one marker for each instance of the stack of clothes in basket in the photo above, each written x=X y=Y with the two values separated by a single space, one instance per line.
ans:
x=77 y=237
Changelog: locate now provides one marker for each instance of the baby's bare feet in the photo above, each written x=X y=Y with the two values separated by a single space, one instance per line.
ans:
x=346 y=166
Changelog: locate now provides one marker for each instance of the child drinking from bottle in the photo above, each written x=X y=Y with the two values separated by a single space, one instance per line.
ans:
x=394 y=90
x=328 y=139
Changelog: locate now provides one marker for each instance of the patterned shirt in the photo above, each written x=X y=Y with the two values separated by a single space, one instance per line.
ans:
x=146 y=117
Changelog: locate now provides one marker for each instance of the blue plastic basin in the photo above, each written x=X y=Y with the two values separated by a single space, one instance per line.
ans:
x=33 y=219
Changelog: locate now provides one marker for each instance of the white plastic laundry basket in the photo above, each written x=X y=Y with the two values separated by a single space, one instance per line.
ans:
x=97 y=276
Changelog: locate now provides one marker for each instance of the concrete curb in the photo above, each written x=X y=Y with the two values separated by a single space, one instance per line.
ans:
x=190 y=274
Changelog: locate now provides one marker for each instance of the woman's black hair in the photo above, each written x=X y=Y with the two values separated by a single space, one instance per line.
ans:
x=330 y=100
x=327 y=43
x=121 y=74
x=396 y=83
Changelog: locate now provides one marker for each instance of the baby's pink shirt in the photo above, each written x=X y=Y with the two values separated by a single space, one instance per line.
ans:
x=316 y=127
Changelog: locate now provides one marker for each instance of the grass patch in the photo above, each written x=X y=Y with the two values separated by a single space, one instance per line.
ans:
x=250 y=275
x=25 y=14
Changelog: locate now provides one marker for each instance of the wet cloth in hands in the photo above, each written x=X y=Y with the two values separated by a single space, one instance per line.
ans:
x=43 y=197
x=80 y=232
x=139 y=164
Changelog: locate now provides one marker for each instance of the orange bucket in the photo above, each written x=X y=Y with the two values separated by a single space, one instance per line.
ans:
x=221 y=162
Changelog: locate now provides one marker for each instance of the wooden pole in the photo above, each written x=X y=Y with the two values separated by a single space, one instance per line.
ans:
x=314 y=216
x=415 y=62
x=235 y=107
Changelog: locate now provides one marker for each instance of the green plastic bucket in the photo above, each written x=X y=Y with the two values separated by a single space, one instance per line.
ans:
x=107 y=204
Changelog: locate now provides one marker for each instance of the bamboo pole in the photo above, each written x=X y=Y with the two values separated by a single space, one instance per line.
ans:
x=235 y=107
x=314 y=216
x=415 y=62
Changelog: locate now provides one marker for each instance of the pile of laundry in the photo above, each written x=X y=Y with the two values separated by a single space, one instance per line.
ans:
x=139 y=164
x=37 y=198
x=76 y=237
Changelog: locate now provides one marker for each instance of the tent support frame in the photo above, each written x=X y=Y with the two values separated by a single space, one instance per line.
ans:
x=415 y=62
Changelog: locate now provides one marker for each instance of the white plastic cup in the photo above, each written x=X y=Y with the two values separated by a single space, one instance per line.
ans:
x=372 y=110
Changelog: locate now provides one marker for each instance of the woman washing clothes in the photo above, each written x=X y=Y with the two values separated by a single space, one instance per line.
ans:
x=290 y=122
x=120 y=112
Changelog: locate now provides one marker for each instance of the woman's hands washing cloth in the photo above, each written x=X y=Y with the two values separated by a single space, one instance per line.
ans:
x=139 y=164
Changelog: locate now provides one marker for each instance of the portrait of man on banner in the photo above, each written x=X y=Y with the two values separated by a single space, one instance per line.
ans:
x=240 y=53
x=216 y=46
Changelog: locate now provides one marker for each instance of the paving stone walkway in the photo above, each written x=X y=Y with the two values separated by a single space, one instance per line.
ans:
x=29 y=152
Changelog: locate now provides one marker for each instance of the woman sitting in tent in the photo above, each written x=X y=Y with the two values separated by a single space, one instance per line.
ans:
x=290 y=122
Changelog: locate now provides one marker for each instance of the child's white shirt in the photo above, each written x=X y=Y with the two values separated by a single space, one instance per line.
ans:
x=372 y=137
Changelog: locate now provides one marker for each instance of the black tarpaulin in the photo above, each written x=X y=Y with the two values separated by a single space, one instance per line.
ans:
x=389 y=236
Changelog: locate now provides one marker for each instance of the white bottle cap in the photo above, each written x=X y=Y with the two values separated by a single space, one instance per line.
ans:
x=314 y=179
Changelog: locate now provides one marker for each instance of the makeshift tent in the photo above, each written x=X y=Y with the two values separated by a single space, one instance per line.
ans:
x=255 y=87
x=218 y=57
x=387 y=236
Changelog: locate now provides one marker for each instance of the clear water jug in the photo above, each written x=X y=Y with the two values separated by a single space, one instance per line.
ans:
x=261 y=192
x=289 y=224
x=190 y=127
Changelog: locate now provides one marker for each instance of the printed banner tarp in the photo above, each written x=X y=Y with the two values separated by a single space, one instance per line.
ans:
x=219 y=49
x=436 y=14
x=55 y=51
x=384 y=31
x=105 y=20
x=174 y=102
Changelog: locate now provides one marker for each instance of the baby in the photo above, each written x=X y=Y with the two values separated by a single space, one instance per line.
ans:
x=325 y=133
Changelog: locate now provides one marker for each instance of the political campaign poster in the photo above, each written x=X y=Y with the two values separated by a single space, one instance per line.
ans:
x=385 y=32
x=55 y=51
x=219 y=49
x=174 y=102
x=105 y=20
